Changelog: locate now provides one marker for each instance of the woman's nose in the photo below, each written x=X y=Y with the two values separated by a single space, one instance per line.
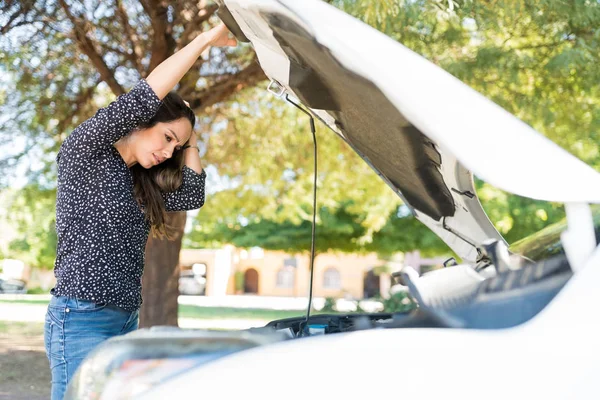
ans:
x=167 y=153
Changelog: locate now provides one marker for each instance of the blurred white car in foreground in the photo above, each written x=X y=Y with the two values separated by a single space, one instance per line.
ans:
x=517 y=321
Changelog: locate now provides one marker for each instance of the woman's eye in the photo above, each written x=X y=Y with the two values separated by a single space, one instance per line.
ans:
x=169 y=138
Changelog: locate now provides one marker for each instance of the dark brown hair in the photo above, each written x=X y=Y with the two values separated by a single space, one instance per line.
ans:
x=149 y=184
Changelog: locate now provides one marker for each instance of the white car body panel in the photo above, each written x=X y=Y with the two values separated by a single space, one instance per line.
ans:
x=555 y=355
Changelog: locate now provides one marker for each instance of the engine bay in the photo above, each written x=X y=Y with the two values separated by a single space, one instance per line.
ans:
x=501 y=291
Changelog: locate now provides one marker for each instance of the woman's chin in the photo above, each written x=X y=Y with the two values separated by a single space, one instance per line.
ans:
x=148 y=165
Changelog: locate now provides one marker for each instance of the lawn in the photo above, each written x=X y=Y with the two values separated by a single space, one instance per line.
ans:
x=191 y=311
x=21 y=328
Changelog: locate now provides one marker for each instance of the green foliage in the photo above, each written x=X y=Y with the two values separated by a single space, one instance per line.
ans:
x=337 y=229
x=516 y=217
x=381 y=269
x=329 y=305
x=37 y=290
x=399 y=302
x=31 y=213
x=403 y=233
x=239 y=281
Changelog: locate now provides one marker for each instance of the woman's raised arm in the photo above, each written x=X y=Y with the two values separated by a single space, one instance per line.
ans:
x=168 y=73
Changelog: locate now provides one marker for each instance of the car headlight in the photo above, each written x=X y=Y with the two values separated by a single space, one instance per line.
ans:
x=127 y=366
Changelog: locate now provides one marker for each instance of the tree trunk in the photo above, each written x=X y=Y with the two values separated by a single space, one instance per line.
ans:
x=160 y=284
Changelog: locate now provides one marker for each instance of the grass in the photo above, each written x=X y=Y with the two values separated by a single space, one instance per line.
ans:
x=32 y=302
x=191 y=311
x=21 y=328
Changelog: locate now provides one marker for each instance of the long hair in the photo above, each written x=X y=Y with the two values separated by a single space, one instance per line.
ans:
x=149 y=184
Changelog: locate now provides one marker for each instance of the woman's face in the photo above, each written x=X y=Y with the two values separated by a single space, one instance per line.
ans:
x=158 y=143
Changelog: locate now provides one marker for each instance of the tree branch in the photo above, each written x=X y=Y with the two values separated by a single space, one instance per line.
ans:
x=163 y=42
x=84 y=97
x=222 y=89
x=193 y=26
x=5 y=28
x=88 y=47
x=25 y=7
x=137 y=54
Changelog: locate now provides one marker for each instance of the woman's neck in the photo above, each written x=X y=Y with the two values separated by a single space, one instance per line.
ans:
x=123 y=146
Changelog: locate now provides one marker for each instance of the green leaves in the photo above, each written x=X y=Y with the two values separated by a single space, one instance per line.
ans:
x=337 y=229
x=30 y=212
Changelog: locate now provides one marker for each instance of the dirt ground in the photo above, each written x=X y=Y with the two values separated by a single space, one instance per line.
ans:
x=24 y=371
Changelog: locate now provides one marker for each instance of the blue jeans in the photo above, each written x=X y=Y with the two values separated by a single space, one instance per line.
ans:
x=73 y=328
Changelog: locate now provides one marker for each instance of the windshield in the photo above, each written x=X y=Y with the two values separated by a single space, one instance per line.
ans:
x=546 y=242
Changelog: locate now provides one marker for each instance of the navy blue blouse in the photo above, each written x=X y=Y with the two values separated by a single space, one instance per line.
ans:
x=102 y=232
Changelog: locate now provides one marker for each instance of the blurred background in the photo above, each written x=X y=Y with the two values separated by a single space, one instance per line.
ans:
x=243 y=259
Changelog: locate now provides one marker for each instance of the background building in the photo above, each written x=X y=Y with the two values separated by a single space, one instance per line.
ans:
x=273 y=273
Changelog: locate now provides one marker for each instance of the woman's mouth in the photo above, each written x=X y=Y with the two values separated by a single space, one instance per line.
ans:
x=156 y=160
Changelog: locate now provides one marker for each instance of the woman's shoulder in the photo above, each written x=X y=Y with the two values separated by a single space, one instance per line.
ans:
x=110 y=123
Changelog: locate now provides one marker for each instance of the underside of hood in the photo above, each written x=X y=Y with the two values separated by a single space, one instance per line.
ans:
x=333 y=63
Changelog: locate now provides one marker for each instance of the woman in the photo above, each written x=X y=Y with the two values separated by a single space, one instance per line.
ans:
x=118 y=174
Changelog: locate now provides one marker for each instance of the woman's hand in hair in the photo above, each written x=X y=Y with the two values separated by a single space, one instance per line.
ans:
x=193 y=140
x=192 y=155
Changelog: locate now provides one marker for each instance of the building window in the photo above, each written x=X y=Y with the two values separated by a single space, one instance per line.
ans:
x=290 y=262
x=285 y=278
x=332 y=279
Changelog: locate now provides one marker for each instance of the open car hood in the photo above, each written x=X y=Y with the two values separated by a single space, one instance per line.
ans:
x=422 y=130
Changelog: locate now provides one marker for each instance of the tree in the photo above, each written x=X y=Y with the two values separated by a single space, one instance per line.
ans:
x=68 y=58
x=337 y=229
x=30 y=211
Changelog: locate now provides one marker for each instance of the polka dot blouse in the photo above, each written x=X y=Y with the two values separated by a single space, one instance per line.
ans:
x=102 y=232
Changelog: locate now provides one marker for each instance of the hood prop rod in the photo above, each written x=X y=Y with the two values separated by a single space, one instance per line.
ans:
x=303 y=326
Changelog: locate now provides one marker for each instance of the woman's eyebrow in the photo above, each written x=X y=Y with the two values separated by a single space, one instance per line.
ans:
x=176 y=138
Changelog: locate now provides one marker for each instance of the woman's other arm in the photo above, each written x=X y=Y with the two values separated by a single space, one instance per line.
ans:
x=190 y=195
x=192 y=155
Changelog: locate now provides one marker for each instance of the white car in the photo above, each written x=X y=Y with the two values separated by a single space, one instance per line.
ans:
x=507 y=322
x=191 y=283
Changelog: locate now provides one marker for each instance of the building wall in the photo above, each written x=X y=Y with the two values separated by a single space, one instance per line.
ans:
x=351 y=270
x=218 y=267
x=267 y=269
x=222 y=264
